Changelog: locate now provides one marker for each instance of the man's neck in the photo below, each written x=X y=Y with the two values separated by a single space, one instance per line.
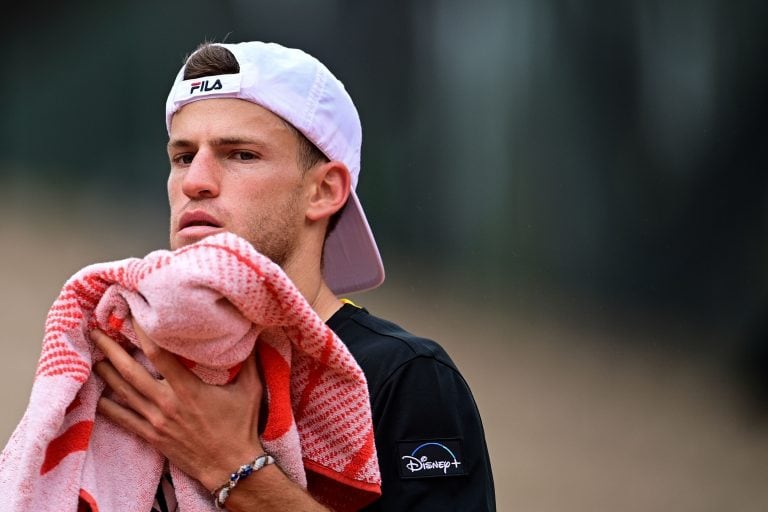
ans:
x=303 y=267
x=314 y=289
x=325 y=303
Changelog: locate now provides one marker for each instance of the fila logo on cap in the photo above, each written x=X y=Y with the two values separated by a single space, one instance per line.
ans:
x=205 y=86
x=214 y=86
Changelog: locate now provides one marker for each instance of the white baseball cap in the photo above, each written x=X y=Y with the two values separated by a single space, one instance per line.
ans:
x=300 y=89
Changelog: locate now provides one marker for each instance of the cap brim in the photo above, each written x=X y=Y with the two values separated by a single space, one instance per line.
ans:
x=351 y=259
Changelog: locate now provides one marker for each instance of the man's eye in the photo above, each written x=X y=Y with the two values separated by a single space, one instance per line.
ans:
x=245 y=155
x=184 y=159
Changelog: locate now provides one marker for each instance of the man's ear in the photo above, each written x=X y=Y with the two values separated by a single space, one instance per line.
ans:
x=330 y=186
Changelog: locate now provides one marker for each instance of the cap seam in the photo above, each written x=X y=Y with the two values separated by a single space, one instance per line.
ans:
x=314 y=98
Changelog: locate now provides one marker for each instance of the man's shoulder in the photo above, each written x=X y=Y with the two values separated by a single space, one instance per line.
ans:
x=381 y=346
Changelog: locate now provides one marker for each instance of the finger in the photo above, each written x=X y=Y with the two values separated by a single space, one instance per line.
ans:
x=126 y=366
x=125 y=418
x=248 y=380
x=122 y=389
x=176 y=374
x=249 y=388
x=249 y=372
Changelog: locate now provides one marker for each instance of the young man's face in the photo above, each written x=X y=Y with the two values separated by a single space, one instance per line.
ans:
x=234 y=168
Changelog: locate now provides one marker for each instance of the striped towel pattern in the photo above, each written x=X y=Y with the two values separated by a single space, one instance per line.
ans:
x=210 y=303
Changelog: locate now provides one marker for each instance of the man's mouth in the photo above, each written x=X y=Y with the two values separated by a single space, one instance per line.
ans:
x=198 y=219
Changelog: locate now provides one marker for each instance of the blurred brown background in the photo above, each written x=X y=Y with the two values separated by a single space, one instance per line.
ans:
x=570 y=197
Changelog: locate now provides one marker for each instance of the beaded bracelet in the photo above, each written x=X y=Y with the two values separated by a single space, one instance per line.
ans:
x=222 y=493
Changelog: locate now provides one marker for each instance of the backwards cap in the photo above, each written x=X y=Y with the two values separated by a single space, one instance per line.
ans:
x=301 y=90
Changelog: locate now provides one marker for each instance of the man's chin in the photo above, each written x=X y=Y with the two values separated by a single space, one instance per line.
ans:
x=193 y=234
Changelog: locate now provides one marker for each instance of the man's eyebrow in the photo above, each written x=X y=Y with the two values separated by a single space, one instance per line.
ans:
x=220 y=141
x=179 y=144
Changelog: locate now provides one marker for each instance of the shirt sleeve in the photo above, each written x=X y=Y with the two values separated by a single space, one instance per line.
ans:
x=430 y=441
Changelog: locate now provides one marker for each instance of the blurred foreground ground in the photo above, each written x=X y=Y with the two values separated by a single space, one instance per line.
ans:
x=575 y=419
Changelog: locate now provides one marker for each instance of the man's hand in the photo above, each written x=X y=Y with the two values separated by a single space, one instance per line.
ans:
x=205 y=430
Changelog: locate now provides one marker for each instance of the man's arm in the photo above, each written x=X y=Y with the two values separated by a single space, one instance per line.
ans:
x=207 y=431
x=431 y=443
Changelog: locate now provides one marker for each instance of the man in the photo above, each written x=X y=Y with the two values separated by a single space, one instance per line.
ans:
x=265 y=142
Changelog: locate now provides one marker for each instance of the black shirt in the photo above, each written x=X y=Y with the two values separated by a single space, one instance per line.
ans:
x=429 y=436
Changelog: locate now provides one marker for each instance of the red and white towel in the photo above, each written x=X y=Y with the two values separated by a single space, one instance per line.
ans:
x=209 y=303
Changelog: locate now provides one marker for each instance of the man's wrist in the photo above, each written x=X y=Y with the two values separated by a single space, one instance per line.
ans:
x=219 y=470
x=221 y=494
x=271 y=489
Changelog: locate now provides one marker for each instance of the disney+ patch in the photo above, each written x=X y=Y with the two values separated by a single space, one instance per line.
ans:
x=433 y=458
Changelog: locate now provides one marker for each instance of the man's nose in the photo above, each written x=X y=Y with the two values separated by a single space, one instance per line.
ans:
x=203 y=177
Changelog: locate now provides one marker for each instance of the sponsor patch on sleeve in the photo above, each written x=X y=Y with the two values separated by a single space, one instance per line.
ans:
x=432 y=458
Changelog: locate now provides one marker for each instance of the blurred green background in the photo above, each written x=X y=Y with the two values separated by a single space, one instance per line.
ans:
x=570 y=196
